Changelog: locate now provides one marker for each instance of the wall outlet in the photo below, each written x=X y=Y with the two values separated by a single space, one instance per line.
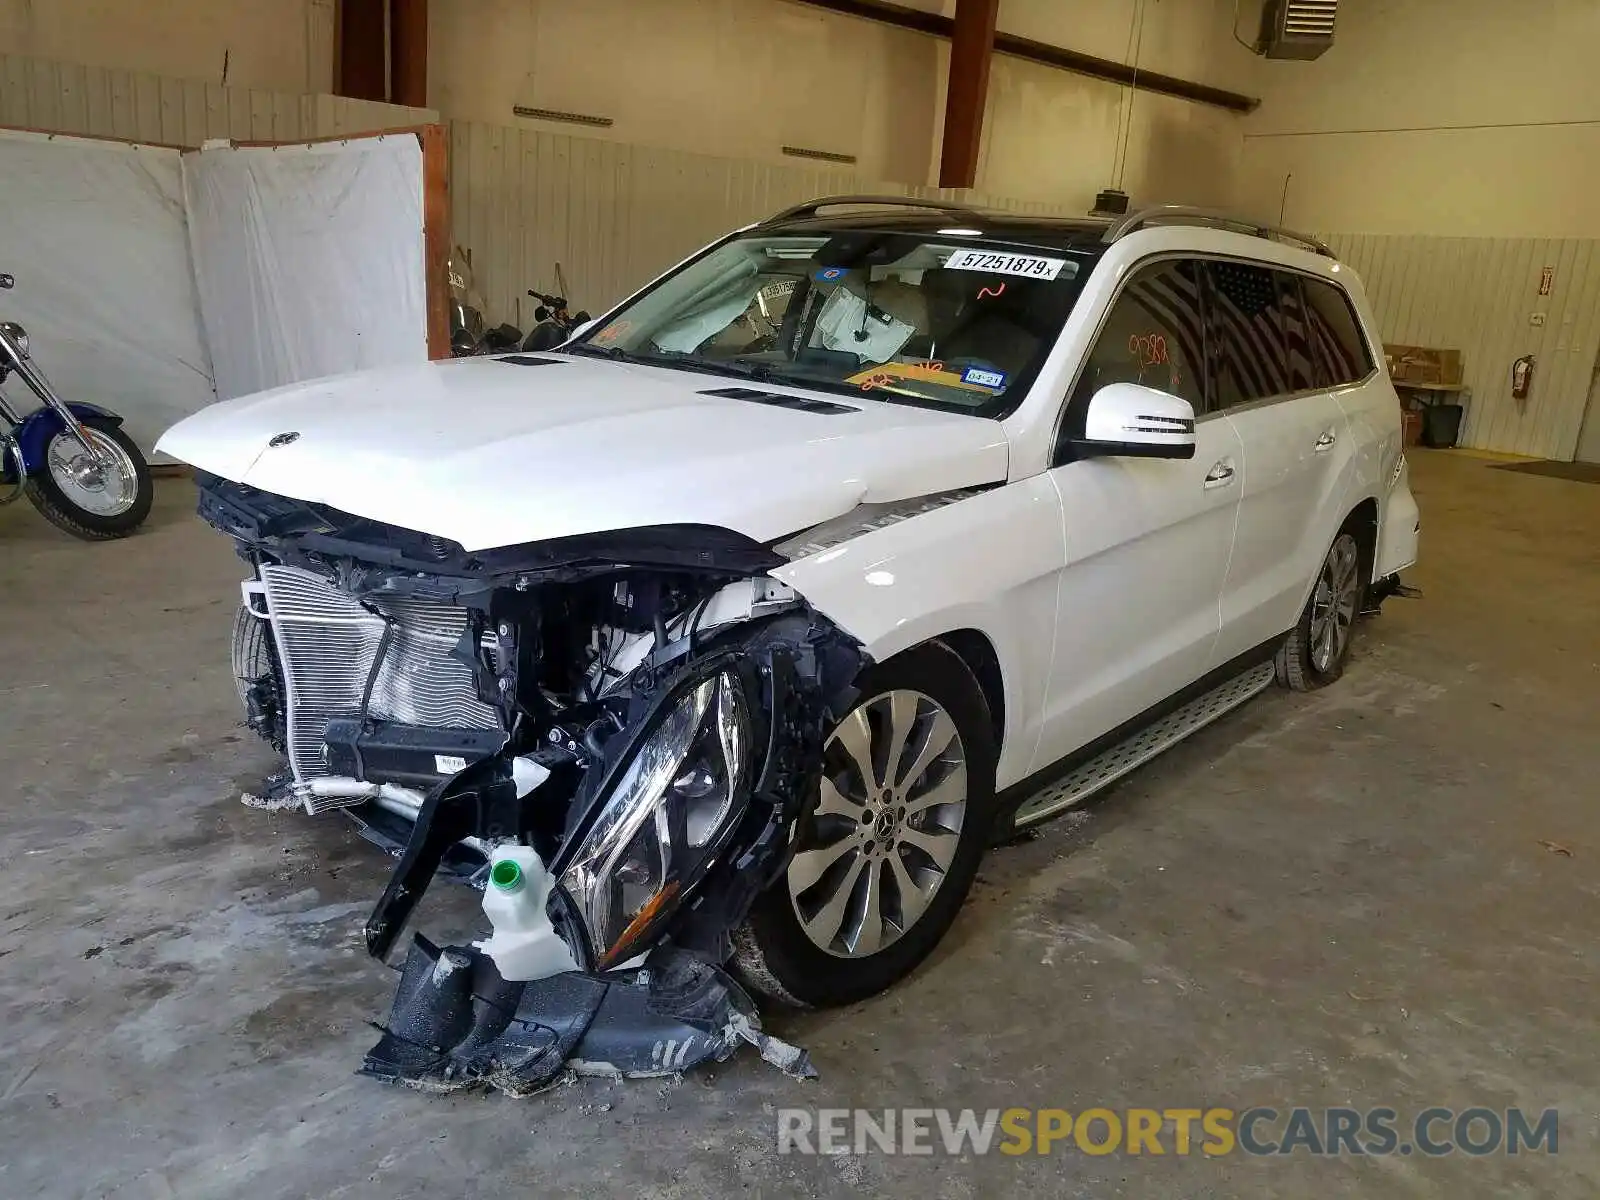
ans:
x=1536 y=320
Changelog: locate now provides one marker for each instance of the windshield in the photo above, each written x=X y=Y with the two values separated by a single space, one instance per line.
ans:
x=936 y=320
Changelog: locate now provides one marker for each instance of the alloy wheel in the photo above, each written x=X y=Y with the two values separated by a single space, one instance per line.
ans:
x=1333 y=604
x=105 y=491
x=886 y=828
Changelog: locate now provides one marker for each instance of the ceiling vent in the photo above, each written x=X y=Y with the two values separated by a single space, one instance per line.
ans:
x=1297 y=28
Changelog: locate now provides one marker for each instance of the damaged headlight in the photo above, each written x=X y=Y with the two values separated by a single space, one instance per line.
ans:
x=664 y=820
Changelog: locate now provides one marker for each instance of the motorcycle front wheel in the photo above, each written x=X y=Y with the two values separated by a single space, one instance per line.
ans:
x=93 y=502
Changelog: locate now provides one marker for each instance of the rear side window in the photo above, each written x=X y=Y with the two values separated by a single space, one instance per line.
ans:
x=1249 y=361
x=1299 y=358
x=1340 y=351
x=1153 y=336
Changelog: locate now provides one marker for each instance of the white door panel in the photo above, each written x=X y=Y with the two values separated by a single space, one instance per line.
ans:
x=1298 y=454
x=1147 y=552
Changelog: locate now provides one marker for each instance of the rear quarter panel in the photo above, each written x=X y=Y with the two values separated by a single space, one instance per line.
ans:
x=1373 y=411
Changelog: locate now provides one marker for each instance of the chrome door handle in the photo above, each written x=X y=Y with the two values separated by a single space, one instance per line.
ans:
x=1220 y=475
x=1326 y=441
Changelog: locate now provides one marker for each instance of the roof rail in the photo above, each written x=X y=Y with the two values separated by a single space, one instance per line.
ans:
x=811 y=207
x=1179 y=214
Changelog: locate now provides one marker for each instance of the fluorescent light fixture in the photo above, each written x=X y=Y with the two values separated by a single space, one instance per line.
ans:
x=961 y=232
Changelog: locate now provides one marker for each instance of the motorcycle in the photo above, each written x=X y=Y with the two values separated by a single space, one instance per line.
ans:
x=555 y=323
x=469 y=334
x=73 y=460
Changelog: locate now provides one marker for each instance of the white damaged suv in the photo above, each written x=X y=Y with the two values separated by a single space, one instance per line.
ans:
x=868 y=535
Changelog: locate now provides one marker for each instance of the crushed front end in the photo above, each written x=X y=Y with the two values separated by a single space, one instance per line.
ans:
x=630 y=720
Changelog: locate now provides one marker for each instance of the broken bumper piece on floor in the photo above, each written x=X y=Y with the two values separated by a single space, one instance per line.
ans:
x=457 y=1023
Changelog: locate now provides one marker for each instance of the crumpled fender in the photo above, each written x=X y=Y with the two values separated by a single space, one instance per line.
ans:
x=42 y=424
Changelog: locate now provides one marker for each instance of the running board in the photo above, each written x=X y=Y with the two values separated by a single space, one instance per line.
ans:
x=1140 y=747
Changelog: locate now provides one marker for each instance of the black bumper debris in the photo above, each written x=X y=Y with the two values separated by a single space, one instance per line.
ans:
x=456 y=1023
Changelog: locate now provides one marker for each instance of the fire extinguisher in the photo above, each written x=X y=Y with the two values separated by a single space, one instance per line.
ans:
x=1522 y=377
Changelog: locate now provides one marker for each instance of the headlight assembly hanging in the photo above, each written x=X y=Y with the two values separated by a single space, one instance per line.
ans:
x=665 y=820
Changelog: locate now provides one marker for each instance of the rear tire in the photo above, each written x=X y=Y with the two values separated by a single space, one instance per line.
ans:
x=1318 y=647
x=901 y=849
x=61 y=511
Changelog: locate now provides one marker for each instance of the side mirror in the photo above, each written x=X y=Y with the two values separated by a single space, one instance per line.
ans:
x=1129 y=420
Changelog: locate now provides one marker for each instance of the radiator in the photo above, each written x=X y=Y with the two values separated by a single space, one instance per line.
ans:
x=327 y=644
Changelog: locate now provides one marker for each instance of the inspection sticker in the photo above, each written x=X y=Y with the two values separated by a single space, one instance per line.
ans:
x=995 y=380
x=449 y=764
x=1028 y=265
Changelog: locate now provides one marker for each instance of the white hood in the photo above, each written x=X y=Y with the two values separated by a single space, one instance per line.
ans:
x=489 y=453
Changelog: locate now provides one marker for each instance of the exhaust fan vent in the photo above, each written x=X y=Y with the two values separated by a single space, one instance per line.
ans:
x=1300 y=29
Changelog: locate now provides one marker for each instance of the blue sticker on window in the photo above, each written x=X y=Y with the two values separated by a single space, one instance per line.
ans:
x=979 y=377
x=831 y=274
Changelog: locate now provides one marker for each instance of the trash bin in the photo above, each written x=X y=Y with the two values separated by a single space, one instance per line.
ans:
x=1441 y=425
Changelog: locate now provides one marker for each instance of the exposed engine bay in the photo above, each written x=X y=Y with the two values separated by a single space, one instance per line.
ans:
x=612 y=734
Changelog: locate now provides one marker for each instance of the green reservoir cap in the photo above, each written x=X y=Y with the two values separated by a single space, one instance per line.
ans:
x=506 y=875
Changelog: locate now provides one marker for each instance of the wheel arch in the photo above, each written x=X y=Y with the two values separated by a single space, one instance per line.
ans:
x=1362 y=520
x=36 y=429
x=977 y=653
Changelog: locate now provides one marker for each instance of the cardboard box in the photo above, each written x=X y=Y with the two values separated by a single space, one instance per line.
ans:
x=1423 y=364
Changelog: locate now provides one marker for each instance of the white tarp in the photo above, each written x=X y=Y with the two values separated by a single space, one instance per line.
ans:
x=94 y=233
x=309 y=259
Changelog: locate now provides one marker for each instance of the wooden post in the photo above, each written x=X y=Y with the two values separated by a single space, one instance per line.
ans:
x=971 y=48
x=436 y=235
x=408 y=52
x=361 y=60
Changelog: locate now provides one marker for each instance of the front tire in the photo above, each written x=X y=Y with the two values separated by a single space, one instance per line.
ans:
x=95 y=505
x=886 y=852
x=1317 y=649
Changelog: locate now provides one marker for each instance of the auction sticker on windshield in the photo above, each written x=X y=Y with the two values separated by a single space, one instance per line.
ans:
x=1029 y=265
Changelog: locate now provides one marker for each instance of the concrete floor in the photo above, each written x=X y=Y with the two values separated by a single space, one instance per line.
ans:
x=1346 y=898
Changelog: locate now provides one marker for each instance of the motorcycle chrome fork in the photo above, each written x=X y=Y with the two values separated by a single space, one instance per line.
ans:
x=24 y=366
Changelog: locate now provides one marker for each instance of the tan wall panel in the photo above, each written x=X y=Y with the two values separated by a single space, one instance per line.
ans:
x=615 y=215
x=38 y=93
x=1477 y=295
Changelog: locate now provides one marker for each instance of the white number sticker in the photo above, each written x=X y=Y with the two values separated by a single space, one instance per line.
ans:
x=449 y=764
x=1027 y=265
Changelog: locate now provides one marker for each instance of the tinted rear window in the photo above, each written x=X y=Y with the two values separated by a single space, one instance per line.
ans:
x=1340 y=351
x=1300 y=360
x=1249 y=362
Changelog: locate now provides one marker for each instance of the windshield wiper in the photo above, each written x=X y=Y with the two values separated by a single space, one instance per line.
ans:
x=615 y=353
x=761 y=372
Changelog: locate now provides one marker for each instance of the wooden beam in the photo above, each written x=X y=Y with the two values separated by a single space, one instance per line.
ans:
x=971 y=48
x=361 y=61
x=436 y=235
x=408 y=52
x=1044 y=53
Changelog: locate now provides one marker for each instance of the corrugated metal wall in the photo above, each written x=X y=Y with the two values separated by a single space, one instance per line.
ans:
x=613 y=215
x=1477 y=295
x=71 y=98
